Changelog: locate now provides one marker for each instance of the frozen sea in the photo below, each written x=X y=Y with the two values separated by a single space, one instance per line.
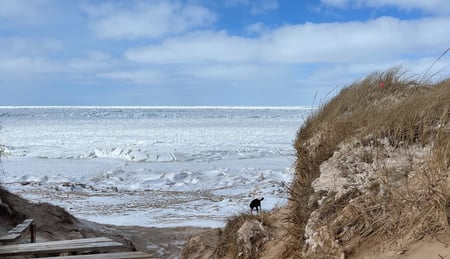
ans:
x=150 y=166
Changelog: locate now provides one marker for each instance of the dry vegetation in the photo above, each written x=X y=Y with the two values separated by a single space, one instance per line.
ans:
x=244 y=236
x=397 y=204
x=230 y=243
x=371 y=171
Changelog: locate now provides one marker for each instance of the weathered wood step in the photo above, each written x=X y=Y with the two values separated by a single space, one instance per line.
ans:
x=99 y=244
x=123 y=255
x=19 y=230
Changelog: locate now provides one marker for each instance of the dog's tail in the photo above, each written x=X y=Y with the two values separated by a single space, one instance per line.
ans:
x=261 y=199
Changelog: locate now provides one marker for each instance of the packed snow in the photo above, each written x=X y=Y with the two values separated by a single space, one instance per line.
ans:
x=150 y=166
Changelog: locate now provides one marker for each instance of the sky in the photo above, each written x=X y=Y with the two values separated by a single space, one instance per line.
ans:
x=211 y=52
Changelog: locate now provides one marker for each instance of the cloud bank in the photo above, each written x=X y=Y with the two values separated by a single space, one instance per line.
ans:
x=147 y=19
x=171 y=52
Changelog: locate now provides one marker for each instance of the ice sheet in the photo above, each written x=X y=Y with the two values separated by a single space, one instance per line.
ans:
x=150 y=166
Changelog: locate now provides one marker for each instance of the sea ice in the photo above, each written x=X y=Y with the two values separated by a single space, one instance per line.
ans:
x=150 y=166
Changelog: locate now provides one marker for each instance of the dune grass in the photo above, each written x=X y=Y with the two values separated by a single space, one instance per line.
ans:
x=381 y=106
x=228 y=245
x=383 y=117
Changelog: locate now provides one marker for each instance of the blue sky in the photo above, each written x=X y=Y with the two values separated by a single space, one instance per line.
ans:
x=207 y=52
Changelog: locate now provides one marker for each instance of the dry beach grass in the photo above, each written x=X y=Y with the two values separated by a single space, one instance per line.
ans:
x=371 y=177
x=400 y=204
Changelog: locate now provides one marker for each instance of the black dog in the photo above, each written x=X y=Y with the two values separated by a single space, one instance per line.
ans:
x=255 y=204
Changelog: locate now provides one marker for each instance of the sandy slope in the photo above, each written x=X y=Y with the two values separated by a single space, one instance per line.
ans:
x=430 y=247
x=161 y=242
x=54 y=223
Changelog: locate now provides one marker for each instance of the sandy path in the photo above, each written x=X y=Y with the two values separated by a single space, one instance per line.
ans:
x=161 y=242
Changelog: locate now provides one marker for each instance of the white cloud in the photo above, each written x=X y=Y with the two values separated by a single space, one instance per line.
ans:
x=23 y=58
x=301 y=57
x=94 y=61
x=234 y=73
x=197 y=47
x=198 y=73
x=30 y=57
x=140 y=76
x=178 y=48
x=25 y=11
x=429 y=6
x=152 y=19
x=262 y=6
x=256 y=28
x=23 y=67
x=374 y=40
x=19 y=46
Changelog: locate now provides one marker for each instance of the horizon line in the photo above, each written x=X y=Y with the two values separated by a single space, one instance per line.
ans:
x=153 y=107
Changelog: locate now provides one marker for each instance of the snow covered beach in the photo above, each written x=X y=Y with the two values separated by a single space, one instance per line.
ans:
x=150 y=166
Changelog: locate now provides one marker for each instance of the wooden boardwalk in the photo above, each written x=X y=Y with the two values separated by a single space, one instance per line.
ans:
x=100 y=247
x=66 y=246
x=123 y=255
x=17 y=232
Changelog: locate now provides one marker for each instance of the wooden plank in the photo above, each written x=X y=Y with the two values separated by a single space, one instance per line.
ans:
x=75 y=245
x=9 y=238
x=22 y=227
x=123 y=255
x=19 y=230
x=33 y=232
